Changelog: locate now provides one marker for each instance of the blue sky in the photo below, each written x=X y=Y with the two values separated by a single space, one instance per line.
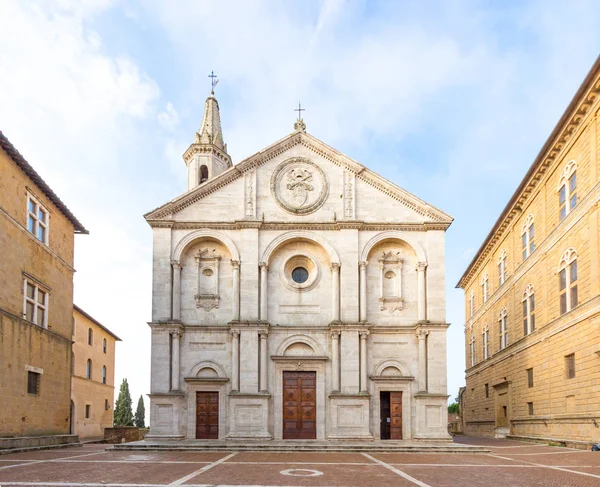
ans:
x=450 y=100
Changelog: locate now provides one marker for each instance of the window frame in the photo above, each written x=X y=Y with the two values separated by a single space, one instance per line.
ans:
x=104 y=345
x=568 y=294
x=89 y=365
x=502 y=267
x=36 y=376
x=472 y=303
x=530 y=379
x=528 y=237
x=570 y=371
x=34 y=216
x=37 y=287
x=104 y=374
x=90 y=336
x=487 y=349
x=503 y=327
x=473 y=351
x=528 y=303
x=87 y=411
x=485 y=287
x=567 y=191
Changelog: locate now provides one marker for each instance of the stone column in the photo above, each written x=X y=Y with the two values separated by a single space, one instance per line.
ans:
x=175 y=360
x=236 y=289
x=235 y=361
x=176 y=289
x=422 y=336
x=363 y=290
x=335 y=361
x=264 y=268
x=421 y=292
x=264 y=362
x=364 y=376
x=335 y=290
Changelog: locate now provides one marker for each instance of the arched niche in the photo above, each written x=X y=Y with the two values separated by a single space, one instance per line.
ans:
x=300 y=235
x=391 y=368
x=205 y=233
x=297 y=343
x=207 y=369
x=394 y=235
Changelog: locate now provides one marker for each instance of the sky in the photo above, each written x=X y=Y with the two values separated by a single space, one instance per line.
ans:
x=450 y=100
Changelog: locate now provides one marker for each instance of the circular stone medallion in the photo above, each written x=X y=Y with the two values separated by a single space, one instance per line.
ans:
x=299 y=186
x=301 y=472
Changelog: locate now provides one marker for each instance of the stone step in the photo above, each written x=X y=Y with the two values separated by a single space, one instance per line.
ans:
x=278 y=448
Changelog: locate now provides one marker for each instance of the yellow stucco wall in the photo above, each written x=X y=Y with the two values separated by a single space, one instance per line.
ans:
x=92 y=391
x=21 y=342
x=563 y=408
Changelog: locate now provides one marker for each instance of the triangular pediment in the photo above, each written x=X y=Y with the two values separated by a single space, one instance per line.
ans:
x=426 y=212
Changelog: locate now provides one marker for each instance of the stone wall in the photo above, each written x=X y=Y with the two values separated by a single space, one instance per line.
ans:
x=124 y=434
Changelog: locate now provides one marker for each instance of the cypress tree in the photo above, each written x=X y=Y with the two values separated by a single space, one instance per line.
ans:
x=123 y=411
x=140 y=414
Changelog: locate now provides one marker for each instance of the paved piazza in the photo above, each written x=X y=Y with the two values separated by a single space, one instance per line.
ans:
x=510 y=464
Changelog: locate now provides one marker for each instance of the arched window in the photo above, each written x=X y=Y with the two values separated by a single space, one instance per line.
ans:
x=503 y=326
x=486 y=342
x=472 y=303
x=567 y=189
x=203 y=173
x=567 y=277
x=104 y=345
x=104 y=374
x=90 y=336
x=527 y=236
x=528 y=310
x=502 y=267
x=485 y=287
x=472 y=350
x=88 y=369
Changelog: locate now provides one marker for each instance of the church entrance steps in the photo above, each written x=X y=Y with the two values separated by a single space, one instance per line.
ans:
x=282 y=446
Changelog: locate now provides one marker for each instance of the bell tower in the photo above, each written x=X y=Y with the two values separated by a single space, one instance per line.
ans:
x=207 y=156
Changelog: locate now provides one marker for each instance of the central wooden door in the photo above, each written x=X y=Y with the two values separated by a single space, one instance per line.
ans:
x=396 y=415
x=207 y=415
x=299 y=405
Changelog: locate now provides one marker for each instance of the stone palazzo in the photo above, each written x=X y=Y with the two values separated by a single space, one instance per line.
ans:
x=296 y=295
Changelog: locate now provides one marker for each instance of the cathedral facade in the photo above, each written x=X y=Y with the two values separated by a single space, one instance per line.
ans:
x=296 y=295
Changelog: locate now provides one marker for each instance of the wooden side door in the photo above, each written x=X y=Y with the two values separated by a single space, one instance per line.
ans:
x=396 y=415
x=299 y=405
x=207 y=415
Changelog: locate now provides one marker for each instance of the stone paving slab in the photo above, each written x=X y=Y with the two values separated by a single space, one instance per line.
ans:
x=168 y=456
x=97 y=472
x=578 y=457
x=499 y=476
x=300 y=457
x=440 y=459
x=332 y=475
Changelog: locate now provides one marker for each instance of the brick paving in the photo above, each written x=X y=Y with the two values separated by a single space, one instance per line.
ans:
x=510 y=464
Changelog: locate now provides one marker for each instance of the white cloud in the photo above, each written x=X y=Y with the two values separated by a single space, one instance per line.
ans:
x=169 y=118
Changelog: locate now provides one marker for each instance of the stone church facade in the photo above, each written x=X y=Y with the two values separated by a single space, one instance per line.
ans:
x=296 y=295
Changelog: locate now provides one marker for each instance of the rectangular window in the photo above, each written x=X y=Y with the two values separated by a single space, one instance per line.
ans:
x=562 y=199
x=487 y=390
x=532 y=312
x=37 y=219
x=33 y=383
x=573 y=284
x=35 y=304
x=525 y=322
x=530 y=377
x=570 y=366
x=524 y=244
x=530 y=408
x=503 y=331
x=88 y=410
x=106 y=405
x=504 y=411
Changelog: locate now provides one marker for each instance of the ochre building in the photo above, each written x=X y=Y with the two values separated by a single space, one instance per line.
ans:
x=93 y=386
x=296 y=295
x=532 y=294
x=36 y=300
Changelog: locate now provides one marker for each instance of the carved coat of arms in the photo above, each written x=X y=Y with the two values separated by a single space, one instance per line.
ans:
x=299 y=186
x=298 y=180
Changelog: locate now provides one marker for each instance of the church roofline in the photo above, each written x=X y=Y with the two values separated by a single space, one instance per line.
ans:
x=318 y=147
x=560 y=135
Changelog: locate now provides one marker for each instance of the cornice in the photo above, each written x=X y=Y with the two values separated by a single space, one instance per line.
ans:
x=552 y=151
x=317 y=147
x=335 y=225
